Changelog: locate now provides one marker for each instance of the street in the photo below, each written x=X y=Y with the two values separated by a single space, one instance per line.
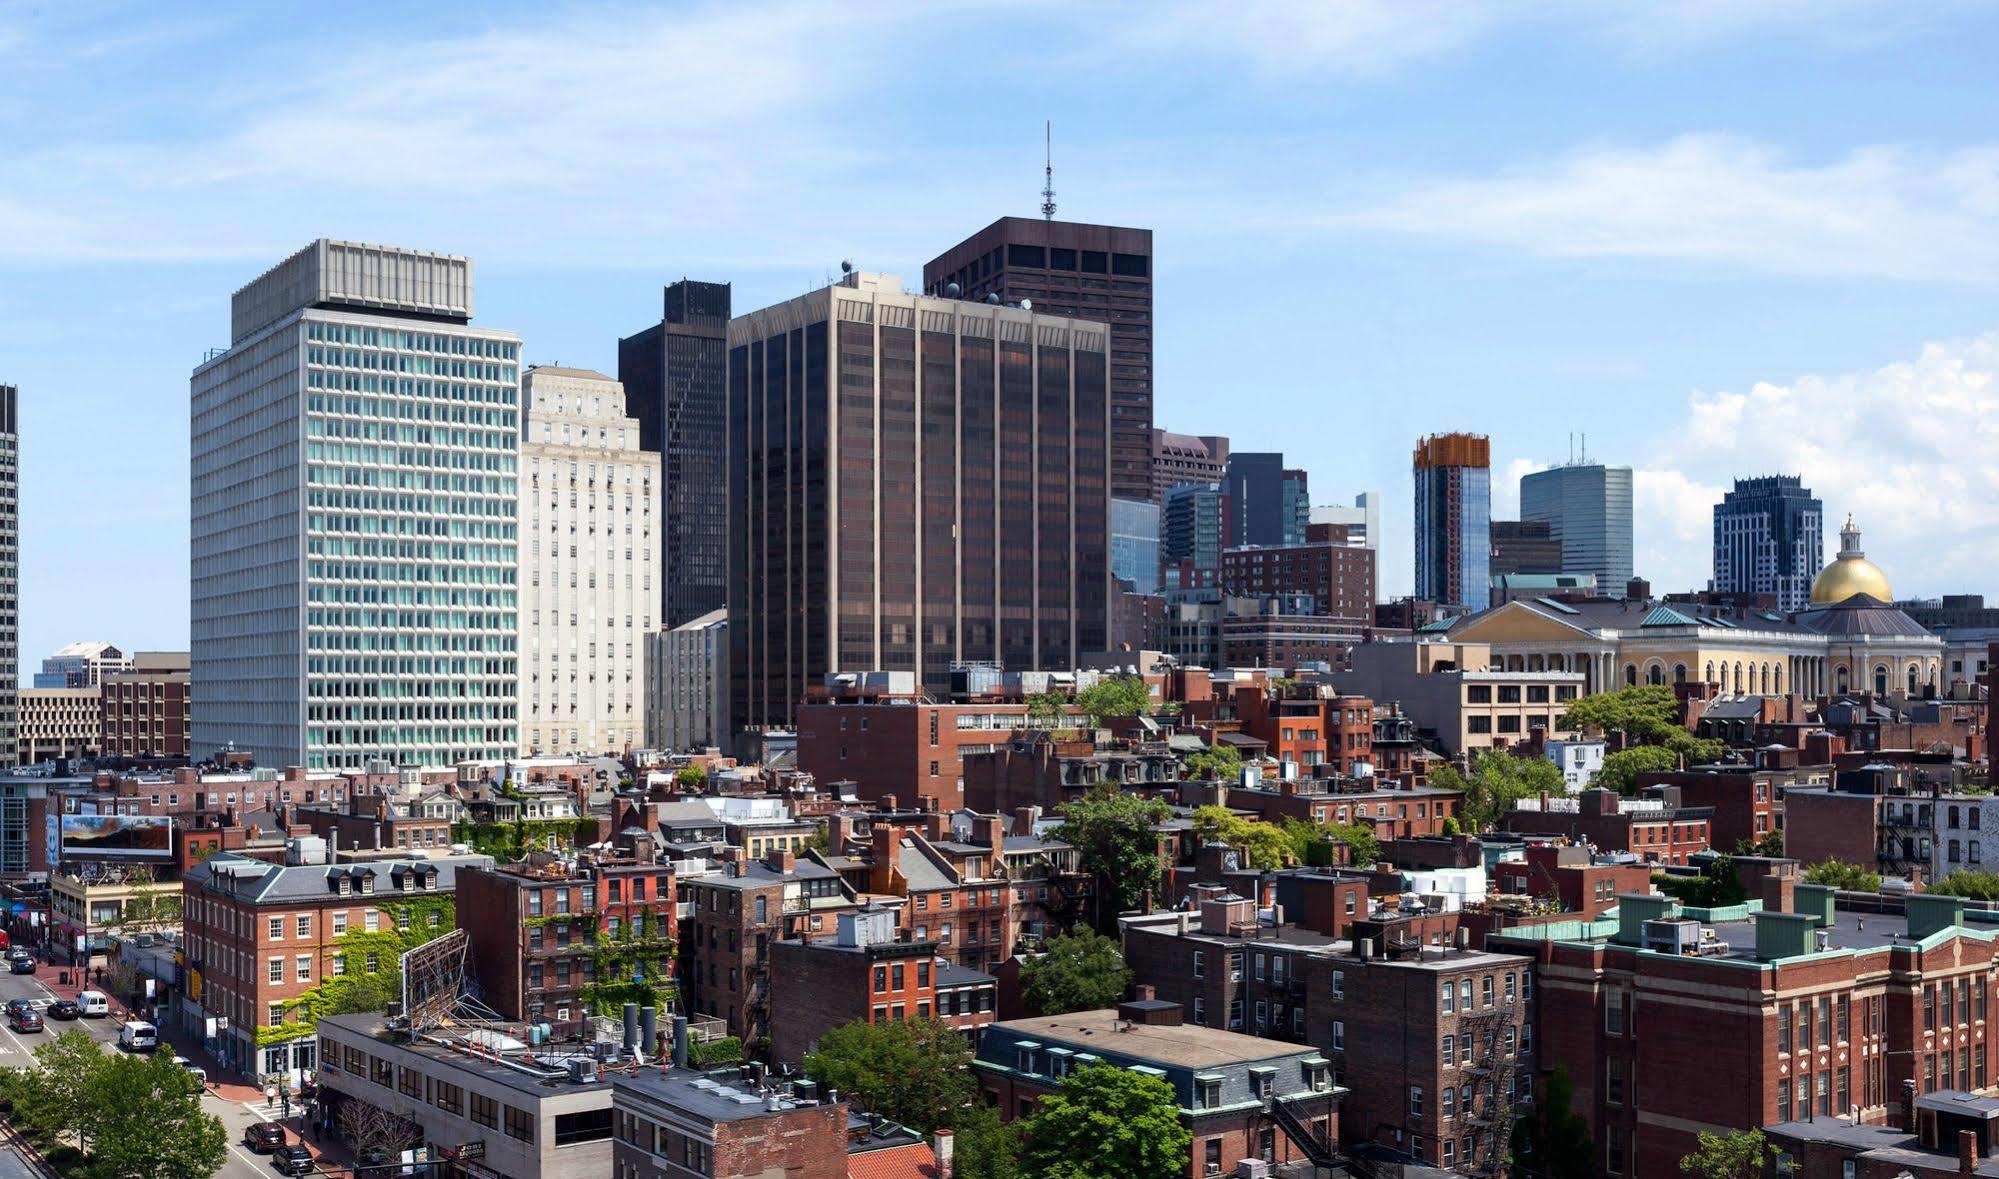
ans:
x=16 y=1051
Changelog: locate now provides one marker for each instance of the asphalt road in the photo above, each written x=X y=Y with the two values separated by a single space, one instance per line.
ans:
x=16 y=1051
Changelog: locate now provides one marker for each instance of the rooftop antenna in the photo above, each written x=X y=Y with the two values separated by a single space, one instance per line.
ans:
x=1048 y=170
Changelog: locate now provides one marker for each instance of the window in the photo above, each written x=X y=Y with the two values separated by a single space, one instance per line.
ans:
x=520 y=1124
x=449 y=1098
x=340 y=922
x=1208 y=1091
x=1447 y=1103
x=582 y=1126
x=1450 y=1053
x=1200 y=964
x=1339 y=1035
x=276 y=970
x=303 y=926
x=277 y=1014
x=1485 y=990
x=1450 y=999
x=410 y=1082
x=304 y=967
x=1613 y=1015
x=277 y=929
x=1339 y=984
x=1415 y=1101
x=485 y=1111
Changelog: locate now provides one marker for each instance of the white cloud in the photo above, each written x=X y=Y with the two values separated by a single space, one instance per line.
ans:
x=1878 y=212
x=1911 y=449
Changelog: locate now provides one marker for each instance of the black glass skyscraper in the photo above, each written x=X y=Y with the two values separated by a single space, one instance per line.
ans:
x=676 y=382
x=1769 y=538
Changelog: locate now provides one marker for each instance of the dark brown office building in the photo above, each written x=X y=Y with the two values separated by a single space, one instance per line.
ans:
x=1100 y=273
x=1525 y=546
x=916 y=483
x=145 y=711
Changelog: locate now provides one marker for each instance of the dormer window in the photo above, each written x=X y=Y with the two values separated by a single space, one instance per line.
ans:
x=368 y=882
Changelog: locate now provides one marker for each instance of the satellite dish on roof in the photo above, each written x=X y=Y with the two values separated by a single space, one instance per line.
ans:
x=846 y=266
x=1027 y=304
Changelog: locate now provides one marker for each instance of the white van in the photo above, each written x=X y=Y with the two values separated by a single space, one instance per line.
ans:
x=200 y=1073
x=95 y=1004
x=138 y=1036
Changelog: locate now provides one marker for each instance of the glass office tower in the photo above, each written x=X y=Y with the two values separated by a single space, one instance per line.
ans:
x=353 y=517
x=1453 y=475
x=1587 y=507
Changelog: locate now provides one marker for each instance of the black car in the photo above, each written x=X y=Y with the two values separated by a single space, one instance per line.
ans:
x=22 y=966
x=64 y=1009
x=292 y=1160
x=14 y=1005
x=25 y=1021
x=263 y=1136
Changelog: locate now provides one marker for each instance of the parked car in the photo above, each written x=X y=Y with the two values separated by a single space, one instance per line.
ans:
x=94 y=1003
x=14 y=1005
x=292 y=1160
x=138 y=1036
x=200 y=1073
x=25 y=1021
x=263 y=1136
x=64 y=1009
x=21 y=966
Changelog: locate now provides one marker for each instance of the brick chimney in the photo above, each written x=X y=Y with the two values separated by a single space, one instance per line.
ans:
x=1967 y=1152
x=781 y=859
x=887 y=850
x=936 y=826
x=944 y=1144
x=1024 y=819
x=989 y=830
x=839 y=833
x=1780 y=894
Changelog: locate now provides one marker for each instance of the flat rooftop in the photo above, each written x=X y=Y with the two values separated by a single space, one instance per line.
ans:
x=370 y=1029
x=1182 y=1045
x=711 y=1097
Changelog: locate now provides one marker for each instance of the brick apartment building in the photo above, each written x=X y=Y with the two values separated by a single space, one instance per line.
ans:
x=1339 y=578
x=1579 y=884
x=1041 y=770
x=1395 y=811
x=146 y=711
x=734 y=916
x=1657 y=828
x=1308 y=726
x=1800 y=1010
x=1430 y=1042
x=374 y=822
x=908 y=749
x=1745 y=801
x=867 y=972
x=258 y=936
x=1241 y=1097
x=558 y=939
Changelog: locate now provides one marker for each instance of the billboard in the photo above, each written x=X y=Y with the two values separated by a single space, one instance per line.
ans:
x=117 y=835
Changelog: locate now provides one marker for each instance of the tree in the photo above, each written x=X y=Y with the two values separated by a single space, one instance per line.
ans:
x=987 y=1147
x=1976 y=885
x=150 y=907
x=1621 y=769
x=55 y=1095
x=1771 y=843
x=1048 y=710
x=1115 y=696
x=1264 y=844
x=1738 y=1154
x=1312 y=843
x=148 y=1124
x=1452 y=826
x=1363 y=846
x=375 y=1133
x=691 y=779
x=1497 y=781
x=1107 y=1123
x=1113 y=834
x=913 y=1071
x=1552 y=1141
x=1081 y=971
x=1647 y=712
x=1842 y=875
x=1692 y=750
x=1216 y=761
x=1716 y=887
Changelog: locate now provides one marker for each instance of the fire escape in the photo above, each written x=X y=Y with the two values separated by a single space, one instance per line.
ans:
x=1489 y=1112
x=1321 y=1152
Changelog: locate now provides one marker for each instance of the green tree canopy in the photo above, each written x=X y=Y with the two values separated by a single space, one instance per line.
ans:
x=1080 y=971
x=987 y=1147
x=1264 y=844
x=691 y=779
x=1738 y=1154
x=1497 y=781
x=1647 y=712
x=148 y=1122
x=1692 y=750
x=1621 y=769
x=1842 y=875
x=1311 y=843
x=1553 y=1141
x=1107 y=1123
x=1216 y=761
x=1113 y=835
x=1048 y=710
x=1716 y=886
x=1975 y=885
x=55 y=1095
x=913 y=1071
x=1114 y=696
x=1771 y=843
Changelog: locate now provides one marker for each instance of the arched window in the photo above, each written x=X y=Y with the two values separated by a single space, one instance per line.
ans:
x=1679 y=673
x=1881 y=681
x=1709 y=677
x=1766 y=679
x=1631 y=675
x=1777 y=679
x=1739 y=689
x=1655 y=675
x=1912 y=679
x=1841 y=680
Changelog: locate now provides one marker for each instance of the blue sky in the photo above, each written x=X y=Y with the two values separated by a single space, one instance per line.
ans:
x=1720 y=238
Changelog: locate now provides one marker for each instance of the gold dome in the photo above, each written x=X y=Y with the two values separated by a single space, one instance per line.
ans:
x=1850 y=573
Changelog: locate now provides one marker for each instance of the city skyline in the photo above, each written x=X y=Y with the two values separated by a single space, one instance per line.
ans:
x=1803 y=289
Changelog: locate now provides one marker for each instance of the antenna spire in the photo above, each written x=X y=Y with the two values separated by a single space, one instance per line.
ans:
x=1048 y=170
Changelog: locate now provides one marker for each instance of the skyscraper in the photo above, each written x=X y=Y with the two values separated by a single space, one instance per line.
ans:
x=1135 y=544
x=1454 y=520
x=1186 y=458
x=1524 y=546
x=916 y=482
x=1587 y=507
x=676 y=379
x=1268 y=504
x=353 y=517
x=1769 y=538
x=589 y=581
x=10 y=570
x=1098 y=273
x=1193 y=531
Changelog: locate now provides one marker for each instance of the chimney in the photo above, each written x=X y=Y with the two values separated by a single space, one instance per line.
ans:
x=888 y=803
x=936 y=825
x=839 y=833
x=1967 y=1152
x=944 y=1145
x=990 y=830
x=781 y=859
x=1143 y=993
x=1024 y=818
x=1779 y=894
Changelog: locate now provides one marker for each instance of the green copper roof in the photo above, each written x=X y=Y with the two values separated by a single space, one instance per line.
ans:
x=1667 y=616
